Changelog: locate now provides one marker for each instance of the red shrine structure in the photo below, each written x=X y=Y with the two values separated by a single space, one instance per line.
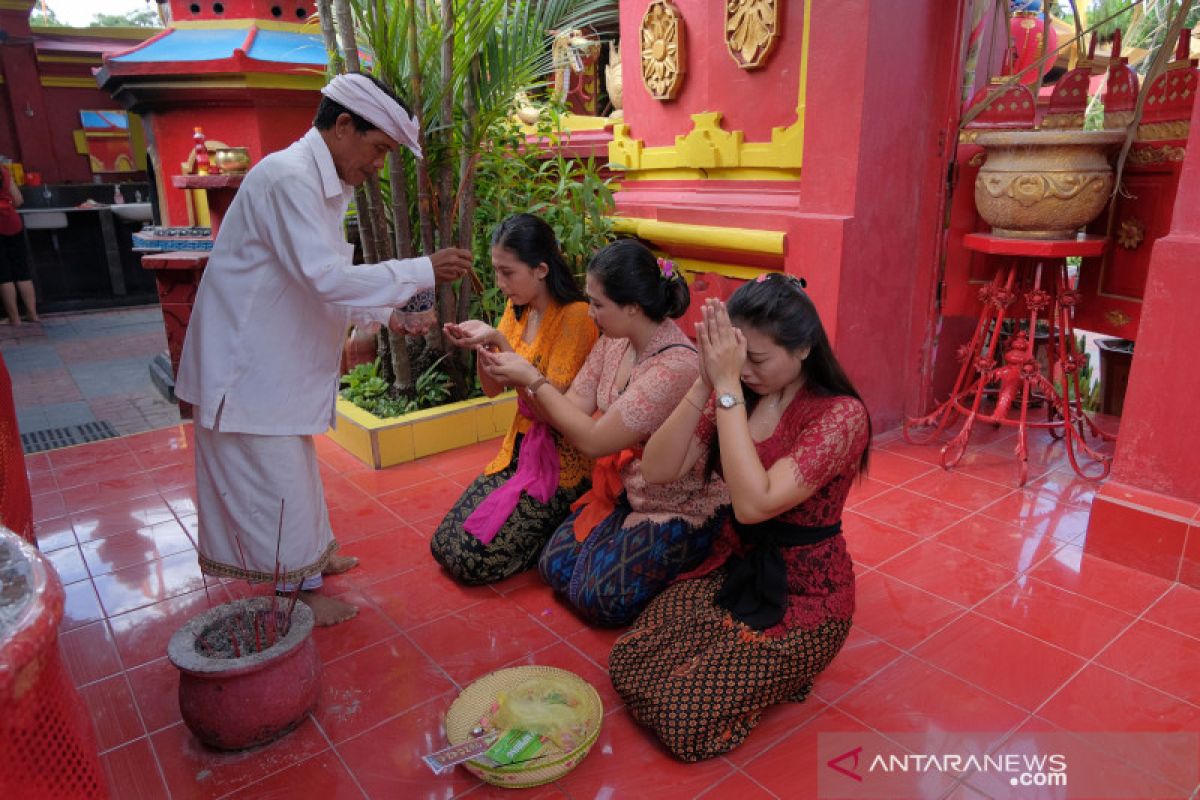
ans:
x=804 y=147
x=246 y=72
x=46 y=84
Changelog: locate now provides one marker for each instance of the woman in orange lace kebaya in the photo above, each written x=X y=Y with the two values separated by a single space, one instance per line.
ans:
x=770 y=608
x=626 y=539
x=499 y=525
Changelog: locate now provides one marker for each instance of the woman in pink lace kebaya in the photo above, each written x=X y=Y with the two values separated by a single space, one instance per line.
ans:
x=752 y=626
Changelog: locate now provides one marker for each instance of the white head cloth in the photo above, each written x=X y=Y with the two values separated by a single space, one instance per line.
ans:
x=359 y=94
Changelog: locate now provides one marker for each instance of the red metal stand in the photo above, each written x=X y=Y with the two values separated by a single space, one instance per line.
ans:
x=1036 y=275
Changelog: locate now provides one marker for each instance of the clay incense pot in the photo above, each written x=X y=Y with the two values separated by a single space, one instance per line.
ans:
x=238 y=696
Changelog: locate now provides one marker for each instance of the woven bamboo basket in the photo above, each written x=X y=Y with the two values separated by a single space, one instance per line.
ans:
x=472 y=708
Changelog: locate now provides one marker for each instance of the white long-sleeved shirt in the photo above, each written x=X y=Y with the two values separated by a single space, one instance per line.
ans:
x=276 y=298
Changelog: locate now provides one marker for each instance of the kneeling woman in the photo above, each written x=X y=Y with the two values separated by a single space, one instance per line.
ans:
x=626 y=539
x=769 y=609
x=500 y=524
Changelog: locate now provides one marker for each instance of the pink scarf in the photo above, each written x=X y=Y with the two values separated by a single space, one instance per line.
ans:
x=537 y=474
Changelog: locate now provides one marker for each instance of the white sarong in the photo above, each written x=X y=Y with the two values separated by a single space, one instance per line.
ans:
x=240 y=480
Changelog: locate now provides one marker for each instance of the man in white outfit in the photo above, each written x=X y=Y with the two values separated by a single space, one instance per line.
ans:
x=260 y=362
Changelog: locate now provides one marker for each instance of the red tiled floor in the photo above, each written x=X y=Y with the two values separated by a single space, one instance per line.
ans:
x=911 y=696
x=898 y=613
x=467 y=645
x=374 y=684
x=1018 y=668
x=1071 y=621
x=133 y=772
x=1112 y=584
x=912 y=512
x=916 y=660
x=950 y=574
x=1179 y=610
x=89 y=652
x=68 y=563
x=1099 y=699
x=194 y=771
x=114 y=713
x=1157 y=656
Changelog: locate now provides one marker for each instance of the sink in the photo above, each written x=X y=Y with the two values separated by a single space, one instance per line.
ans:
x=133 y=212
x=44 y=220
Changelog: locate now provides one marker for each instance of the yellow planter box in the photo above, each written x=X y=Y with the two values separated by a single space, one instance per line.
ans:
x=382 y=443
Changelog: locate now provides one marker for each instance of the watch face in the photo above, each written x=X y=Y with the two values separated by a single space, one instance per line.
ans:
x=727 y=401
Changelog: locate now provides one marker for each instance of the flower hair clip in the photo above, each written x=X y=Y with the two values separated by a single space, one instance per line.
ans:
x=799 y=284
x=667 y=267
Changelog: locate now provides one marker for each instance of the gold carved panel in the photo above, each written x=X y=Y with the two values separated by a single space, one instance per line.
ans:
x=751 y=30
x=662 y=50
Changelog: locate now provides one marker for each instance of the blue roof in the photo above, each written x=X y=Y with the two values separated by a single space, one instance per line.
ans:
x=104 y=120
x=289 y=48
x=188 y=45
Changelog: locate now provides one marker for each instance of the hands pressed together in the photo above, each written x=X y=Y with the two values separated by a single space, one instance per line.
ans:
x=722 y=348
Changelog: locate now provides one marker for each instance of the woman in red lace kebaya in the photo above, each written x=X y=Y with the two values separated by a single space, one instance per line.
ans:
x=752 y=626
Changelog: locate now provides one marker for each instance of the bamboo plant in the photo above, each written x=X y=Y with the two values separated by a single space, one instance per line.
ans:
x=457 y=65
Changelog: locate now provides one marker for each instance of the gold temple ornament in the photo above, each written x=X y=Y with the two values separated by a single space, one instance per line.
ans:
x=662 y=50
x=751 y=30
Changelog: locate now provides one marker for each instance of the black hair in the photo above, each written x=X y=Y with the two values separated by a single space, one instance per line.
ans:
x=630 y=274
x=329 y=110
x=533 y=242
x=778 y=306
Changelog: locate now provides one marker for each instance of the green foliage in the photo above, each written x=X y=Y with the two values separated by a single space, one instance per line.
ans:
x=1089 y=383
x=521 y=174
x=364 y=387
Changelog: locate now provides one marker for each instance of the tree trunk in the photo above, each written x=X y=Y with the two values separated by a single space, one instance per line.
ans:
x=325 y=10
x=425 y=214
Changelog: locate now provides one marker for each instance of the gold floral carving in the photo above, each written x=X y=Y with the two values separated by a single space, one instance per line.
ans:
x=978 y=159
x=751 y=30
x=1131 y=233
x=1034 y=187
x=1156 y=155
x=1164 y=130
x=662 y=50
x=1118 y=318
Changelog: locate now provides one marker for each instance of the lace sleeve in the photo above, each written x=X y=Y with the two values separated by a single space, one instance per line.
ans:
x=831 y=443
x=588 y=378
x=656 y=389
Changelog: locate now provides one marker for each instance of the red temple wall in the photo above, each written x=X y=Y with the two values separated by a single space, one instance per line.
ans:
x=719 y=85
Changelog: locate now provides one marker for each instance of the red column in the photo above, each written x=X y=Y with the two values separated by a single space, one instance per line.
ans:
x=1148 y=515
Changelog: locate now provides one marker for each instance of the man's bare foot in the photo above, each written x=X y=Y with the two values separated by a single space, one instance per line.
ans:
x=328 y=610
x=336 y=565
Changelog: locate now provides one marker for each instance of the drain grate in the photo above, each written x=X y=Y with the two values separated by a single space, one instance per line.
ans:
x=54 y=438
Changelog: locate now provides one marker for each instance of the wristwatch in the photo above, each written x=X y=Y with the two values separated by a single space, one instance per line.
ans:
x=727 y=400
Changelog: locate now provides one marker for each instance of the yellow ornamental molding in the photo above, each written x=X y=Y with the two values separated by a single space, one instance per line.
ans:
x=709 y=148
x=662 y=50
x=64 y=82
x=744 y=240
x=751 y=30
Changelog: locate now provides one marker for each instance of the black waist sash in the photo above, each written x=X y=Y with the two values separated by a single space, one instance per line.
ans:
x=755 y=590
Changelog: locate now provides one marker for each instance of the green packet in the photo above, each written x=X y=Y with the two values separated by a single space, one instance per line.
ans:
x=514 y=746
